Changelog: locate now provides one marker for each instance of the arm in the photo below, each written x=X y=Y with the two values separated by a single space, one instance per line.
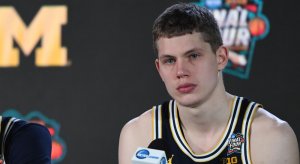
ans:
x=28 y=144
x=136 y=133
x=272 y=140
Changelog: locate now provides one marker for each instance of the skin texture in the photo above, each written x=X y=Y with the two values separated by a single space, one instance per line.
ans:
x=191 y=72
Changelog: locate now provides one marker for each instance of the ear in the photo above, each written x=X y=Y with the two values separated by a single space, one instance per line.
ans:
x=158 y=68
x=157 y=64
x=222 y=57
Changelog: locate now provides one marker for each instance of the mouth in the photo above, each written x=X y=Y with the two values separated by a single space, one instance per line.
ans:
x=186 y=88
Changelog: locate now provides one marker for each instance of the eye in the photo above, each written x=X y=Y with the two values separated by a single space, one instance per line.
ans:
x=194 y=55
x=169 y=61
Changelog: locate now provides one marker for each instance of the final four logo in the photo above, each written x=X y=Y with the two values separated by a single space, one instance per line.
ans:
x=235 y=143
x=242 y=23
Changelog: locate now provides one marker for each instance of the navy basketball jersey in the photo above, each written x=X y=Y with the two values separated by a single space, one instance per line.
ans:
x=233 y=147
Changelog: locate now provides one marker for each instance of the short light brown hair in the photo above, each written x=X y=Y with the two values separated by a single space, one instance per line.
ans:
x=186 y=18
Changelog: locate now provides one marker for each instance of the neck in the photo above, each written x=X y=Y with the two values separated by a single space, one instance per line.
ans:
x=207 y=117
x=210 y=115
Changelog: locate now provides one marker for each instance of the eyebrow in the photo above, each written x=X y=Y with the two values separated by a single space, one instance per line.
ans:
x=193 y=50
x=165 y=56
x=185 y=53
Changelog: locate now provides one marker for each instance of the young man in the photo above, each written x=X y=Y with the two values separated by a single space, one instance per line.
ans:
x=204 y=123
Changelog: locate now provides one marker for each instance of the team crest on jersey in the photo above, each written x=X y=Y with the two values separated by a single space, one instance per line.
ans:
x=235 y=143
x=242 y=23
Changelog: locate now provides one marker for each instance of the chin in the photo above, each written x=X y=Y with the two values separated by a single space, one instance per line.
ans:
x=188 y=102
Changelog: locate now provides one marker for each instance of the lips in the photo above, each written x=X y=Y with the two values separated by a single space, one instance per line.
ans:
x=186 y=88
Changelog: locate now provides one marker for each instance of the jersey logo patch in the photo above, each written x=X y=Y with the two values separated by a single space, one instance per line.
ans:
x=235 y=143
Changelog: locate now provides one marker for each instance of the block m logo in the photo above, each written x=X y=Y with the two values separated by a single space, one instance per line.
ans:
x=46 y=25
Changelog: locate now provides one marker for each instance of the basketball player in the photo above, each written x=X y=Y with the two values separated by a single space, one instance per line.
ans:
x=204 y=123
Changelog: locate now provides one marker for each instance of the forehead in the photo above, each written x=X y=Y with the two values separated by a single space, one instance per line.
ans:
x=181 y=44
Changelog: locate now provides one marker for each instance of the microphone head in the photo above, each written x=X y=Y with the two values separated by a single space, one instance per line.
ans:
x=156 y=153
x=149 y=156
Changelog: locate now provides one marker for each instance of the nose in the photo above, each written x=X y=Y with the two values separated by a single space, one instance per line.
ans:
x=181 y=69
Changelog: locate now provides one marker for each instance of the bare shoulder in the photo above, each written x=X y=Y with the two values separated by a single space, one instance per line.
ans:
x=272 y=140
x=265 y=120
x=135 y=133
x=139 y=127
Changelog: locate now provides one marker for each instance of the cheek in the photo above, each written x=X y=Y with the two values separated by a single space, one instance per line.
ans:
x=165 y=76
x=168 y=79
x=207 y=72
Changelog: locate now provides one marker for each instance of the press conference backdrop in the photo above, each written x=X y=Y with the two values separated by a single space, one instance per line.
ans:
x=85 y=68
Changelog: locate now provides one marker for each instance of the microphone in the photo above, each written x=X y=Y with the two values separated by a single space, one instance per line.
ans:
x=161 y=144
x=154 y=154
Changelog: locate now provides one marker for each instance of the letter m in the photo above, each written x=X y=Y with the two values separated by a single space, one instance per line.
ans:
x=45 y=26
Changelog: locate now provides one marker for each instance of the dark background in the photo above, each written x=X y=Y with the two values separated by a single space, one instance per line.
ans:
x=112 y=77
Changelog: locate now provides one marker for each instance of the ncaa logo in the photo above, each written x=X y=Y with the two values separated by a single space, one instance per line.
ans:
x=142 y=154
x=241 y=23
